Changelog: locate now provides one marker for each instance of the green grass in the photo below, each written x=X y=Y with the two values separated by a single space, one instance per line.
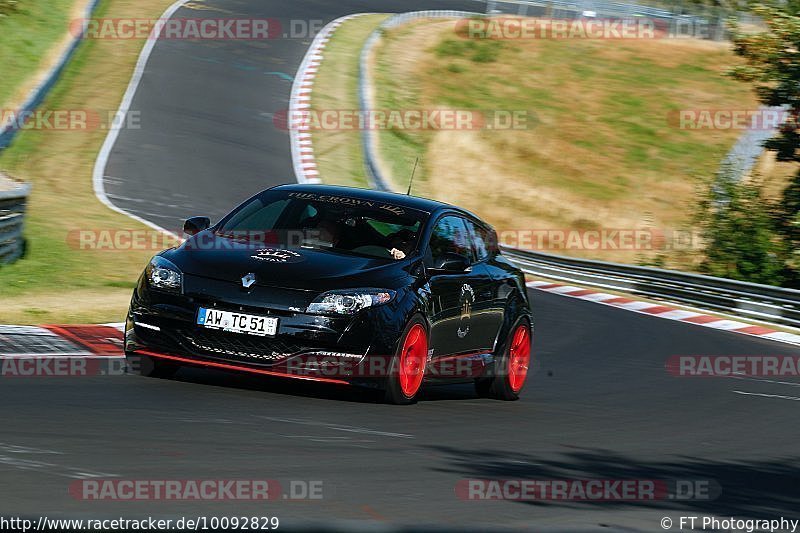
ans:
x=477 y=51
x=338 y=153
x=56 y=281
x=28 y=35
x=599 y=149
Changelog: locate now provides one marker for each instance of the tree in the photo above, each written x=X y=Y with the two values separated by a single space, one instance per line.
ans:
x=740 y=234
x=772 y=65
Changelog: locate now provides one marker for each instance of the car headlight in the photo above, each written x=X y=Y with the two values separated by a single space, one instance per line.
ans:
x=164 y=275
x=349 y=302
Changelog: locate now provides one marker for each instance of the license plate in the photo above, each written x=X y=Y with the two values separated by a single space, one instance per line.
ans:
x=237 y=322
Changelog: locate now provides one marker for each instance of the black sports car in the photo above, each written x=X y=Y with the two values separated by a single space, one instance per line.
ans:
x=340 y=285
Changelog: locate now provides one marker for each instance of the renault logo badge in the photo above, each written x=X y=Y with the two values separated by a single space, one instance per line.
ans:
x=248 y=280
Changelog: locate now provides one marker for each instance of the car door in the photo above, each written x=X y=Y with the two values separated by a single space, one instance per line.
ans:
x=489 y=305
x=452 y=293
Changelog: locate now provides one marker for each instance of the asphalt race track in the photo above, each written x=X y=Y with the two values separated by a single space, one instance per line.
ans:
x=600 y=404
x=207 y=139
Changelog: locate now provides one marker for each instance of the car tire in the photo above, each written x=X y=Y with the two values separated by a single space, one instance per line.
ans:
x=407 y=368
x=511 y=365
x=144 y=365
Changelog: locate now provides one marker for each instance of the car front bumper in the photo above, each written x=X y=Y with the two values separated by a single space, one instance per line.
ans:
x=343 y=349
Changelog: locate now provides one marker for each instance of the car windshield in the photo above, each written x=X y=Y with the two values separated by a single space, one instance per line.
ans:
x=344 y=224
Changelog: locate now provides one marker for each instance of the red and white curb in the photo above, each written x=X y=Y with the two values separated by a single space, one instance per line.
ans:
x=105 y=341
x=305 y=164
x=664 y=311
x=100 y=341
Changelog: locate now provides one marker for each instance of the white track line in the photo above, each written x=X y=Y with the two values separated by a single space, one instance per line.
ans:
x=300 y=139
x=306 y=172
x=305 y=167
x=678 y=315
x=124 y=106
x=761 y=395
x=25 y=330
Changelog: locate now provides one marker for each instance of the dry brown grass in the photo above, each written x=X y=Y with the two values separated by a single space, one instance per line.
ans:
x=774 y=174
x=601 y=154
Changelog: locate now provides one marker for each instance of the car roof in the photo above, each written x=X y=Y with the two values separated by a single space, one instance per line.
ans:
x=402 y=200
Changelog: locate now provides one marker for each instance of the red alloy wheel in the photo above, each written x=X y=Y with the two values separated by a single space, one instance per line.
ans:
x=519 y=357
x=412 y=360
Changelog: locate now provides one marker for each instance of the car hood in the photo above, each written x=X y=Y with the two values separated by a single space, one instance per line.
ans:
x=217 y=257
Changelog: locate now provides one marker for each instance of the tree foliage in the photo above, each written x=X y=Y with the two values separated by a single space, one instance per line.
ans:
x=740 y=234
x=772 y=65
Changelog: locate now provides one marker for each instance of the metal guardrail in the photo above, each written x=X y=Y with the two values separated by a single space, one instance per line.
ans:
x=11 y=126
x=13 y=201
x=365 y=85
x=12 y=212
x=685 y=19
x=747 y=300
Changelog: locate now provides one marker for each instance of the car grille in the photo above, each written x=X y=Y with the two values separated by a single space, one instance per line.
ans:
x=239 y=347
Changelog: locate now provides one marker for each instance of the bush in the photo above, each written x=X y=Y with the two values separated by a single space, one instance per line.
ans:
x=741 y=235
x=487 y=52
x=451 y=48
x=776 y=81
x=479 y=51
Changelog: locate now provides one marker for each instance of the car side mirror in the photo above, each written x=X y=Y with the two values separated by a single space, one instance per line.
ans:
x=451 y=263
x=195 y=225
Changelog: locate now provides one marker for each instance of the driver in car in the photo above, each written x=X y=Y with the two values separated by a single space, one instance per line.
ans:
x=400 y=244
x=330 y=228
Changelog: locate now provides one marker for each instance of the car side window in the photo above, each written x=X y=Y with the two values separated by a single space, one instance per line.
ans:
x=258 y=217
x=481 y=239
x=448 y=236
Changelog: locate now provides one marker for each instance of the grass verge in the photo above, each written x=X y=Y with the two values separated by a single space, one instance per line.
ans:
x=339 y=156
x=31 y=33
x=57 y=282
x=601 y=149
x=601 y=152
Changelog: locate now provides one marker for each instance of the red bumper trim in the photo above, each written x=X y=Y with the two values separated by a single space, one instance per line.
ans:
x=226 y=366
